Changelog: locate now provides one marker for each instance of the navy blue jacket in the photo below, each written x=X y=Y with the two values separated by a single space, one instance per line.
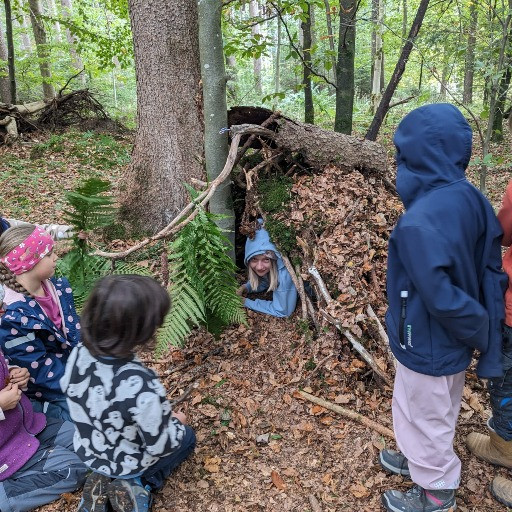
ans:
x=445 y=286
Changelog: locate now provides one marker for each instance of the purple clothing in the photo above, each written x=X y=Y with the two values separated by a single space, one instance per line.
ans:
x=425 y=412
x=50 y=305
x=17 y=431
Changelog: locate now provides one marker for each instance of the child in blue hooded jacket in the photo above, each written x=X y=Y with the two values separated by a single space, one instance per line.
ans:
x=267 y=273
x=445 y=291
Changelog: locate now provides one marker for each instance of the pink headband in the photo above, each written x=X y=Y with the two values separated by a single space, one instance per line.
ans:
x=25 y=256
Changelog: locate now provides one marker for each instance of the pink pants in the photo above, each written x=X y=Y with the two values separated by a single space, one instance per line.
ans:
x=425 y=412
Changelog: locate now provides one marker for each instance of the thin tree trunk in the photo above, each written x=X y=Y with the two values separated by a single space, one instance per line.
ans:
x=330 y=34
x=42 y=49
x=376 y=123
x=10 y=51
x=420 y=79
x=378 y=53
x=404 y=20
x=277 y=75
x=52 y=11
x=254 y=12
x=445 y=72
x=169 y=139
x=309 y=110
x=497 y=128
x=213 y=77
x=76 y=60
x=469 y=64
x=5 y=91
x=345 y=68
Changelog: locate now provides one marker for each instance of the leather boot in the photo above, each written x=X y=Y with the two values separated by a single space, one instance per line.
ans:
x=491 y=448
x=501 y=489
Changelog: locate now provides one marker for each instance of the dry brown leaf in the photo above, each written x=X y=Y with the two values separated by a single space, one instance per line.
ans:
x=278 y=481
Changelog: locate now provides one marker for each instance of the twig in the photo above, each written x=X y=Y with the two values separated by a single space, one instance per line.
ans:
x=401 y=102
x=185 y=394
x=319 y=366
x=347 y=413
x=300 y=290
x=383 y=334
x=67 y=83
x=320 y=283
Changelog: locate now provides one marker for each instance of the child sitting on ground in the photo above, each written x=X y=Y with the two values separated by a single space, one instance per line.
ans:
x=126 y=431
x=40 y=325
x=37 y=460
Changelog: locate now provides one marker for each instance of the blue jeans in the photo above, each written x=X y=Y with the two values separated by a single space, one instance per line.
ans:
x=156 y=474
x=55 y=409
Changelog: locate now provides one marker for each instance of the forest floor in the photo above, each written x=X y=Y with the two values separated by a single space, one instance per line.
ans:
x=260 y=445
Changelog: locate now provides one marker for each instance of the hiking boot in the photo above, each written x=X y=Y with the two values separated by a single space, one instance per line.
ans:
x=417 y=499
x=501 y=489
x=130 y=495
x=491 y=448
x=394 y=462
x=94 y=495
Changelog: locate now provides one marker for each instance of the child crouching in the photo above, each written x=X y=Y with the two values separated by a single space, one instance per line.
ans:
x=126 y=431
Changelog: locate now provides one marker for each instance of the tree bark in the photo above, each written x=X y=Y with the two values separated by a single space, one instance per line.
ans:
x=42 y=49
x=469 y=64
x=5 y=90
x=52 y=11
x=345 y=67
x=169 y=139
x=497 y=127
x=376 y=123
x=277 y=81
x=377 y=52
x=10 y=51
x=76 y=60
x=309 y=109
x=330 y=34
x=213 y=76
x=254 y=12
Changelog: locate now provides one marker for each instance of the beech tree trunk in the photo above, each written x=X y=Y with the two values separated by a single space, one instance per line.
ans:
x=309 y=110
x=469 y=64
x=376 y=123
x=330 y=34
x=377 y=51
x=169 y=139
x=213 y=77
x=5 y=91
x=42 y=49
x=76 y=60
x=10 y=52
x=254 y=11
x=345 y=67
x=52 y=11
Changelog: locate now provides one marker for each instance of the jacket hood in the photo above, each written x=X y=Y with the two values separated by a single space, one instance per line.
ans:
x=433 y=148
x=259 y=245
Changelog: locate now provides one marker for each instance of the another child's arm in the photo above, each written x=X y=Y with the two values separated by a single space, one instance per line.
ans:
x=9 y=397
x=505 y=216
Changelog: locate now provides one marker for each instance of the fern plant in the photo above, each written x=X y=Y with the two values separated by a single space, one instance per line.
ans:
x=203 y=285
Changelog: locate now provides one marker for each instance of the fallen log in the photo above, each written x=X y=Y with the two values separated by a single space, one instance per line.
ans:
x=351 y=415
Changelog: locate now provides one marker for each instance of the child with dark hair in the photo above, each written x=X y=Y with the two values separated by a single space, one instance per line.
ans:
x=37 y=461
x=40 y=325
x=126 y=431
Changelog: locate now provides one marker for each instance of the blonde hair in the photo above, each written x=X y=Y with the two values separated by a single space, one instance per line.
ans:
x=273 y=277
x=10 y=239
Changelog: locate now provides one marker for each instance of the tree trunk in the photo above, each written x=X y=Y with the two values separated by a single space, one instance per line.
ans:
x=377 y=67
x=42 y=49
x=404 y=20
x=330 y=34
x=169 y=139
x=469 y=64
x=24 y=30
x=309 y=109
x=445 y=75
x=52 y=11
x=254 y=12
x=213 y=76
x=345 y=67
x=76 y=60
x=277 y=75
x=376 y=123
x=10 y=51
x=5 y=91
x=497 y=127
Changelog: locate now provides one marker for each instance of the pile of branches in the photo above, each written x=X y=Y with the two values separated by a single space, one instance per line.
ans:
x=66 y=109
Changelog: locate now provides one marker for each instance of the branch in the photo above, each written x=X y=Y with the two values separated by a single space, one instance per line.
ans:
x=351 y=415
x=401 y=102
x=298 y=51
x=67 y=83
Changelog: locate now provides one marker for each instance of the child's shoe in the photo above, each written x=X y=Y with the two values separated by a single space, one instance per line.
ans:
x=394 y=462
x=501 y=489
x=418 y=499
x=94 y=495
x=130 y=495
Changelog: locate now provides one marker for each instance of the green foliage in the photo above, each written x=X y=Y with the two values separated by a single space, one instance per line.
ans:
x=284 y=236
x=275 y=193
x=203 y=285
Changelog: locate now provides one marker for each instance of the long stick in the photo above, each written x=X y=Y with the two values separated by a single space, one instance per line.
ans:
x=347 y=413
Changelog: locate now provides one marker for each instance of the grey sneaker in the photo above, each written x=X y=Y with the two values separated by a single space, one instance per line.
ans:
x=418 y=499
x=94 y=495
x=129 y=495
x=394 y=462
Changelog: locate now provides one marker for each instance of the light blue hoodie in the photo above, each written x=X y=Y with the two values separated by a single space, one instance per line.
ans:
x=284 y=298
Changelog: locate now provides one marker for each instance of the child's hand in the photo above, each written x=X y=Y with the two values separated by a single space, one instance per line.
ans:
x=180 y=416
x=19 y=376
x=242 y=291
x=9 y=397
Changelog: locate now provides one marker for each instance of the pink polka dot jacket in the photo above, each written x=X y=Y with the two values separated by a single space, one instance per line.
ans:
x=28 y=338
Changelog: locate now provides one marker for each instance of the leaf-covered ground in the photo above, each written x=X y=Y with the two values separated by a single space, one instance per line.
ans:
x=260 y=445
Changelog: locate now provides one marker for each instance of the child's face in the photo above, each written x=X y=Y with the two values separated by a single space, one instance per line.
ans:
x=46 y=267
x=260 y=264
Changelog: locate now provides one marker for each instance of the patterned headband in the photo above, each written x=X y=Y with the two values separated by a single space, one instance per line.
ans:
x=25 y=256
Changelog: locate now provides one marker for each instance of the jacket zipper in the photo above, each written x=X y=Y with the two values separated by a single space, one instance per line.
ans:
x=403 y=313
